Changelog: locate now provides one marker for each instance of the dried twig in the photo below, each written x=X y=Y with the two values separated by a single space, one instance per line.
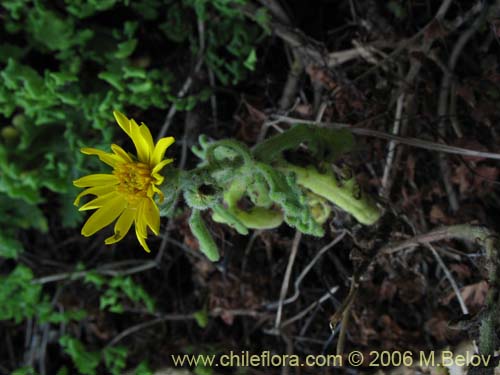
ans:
x=488 y=240
x=415 y=142
x=286 y=278
x=450 y=278
x=384 y=191
x=306 y=270
x=187 y=83
x=445 y=99
x=313 y=305
x=292 y=83
x=343 y=312
x=182 y=317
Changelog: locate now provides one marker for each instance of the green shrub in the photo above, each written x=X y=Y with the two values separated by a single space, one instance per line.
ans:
x=63 y=70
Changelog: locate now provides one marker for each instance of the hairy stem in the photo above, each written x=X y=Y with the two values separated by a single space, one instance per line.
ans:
x=345 y=194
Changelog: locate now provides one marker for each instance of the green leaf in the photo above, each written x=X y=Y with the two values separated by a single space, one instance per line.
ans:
x=110 y=300
x=50 y=30
x=125 y=49
x=86 y=362
x=251 y=60
x=263 y=18
x=9 y=246
x=20 y=298
x=115 y=359
x=396 y=8
x=201 y=317
x=205 y=239
x=114 y=79
x=143 y=369
x=24 y=371
x=95 y=278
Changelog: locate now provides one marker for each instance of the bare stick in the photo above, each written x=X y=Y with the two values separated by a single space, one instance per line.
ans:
x=462 y=232
x=304 y=312
x=392 y=145
x=181 y=317
x=286 y=278
x=306 y=270
x=414 y=142
x=450 y=278
x=488 y=240
x=342 y=313
x=445 y=99
x=292 y=83
x=187 y=83
x=276 y=9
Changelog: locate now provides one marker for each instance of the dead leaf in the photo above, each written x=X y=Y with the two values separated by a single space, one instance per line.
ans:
x=320 y=75
x=304 y=110
x=466 y=92
x=484 y=178
x=462 y=271
x=461 y=178
x=474 y=295
x=411 y=288
x=437 y=216
x=387 y=290
x=437 y=327
x=435 y=30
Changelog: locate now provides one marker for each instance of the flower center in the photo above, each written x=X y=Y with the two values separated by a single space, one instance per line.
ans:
x=135 y=179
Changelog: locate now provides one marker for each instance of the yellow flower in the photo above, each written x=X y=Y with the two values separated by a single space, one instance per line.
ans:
x=128 y=193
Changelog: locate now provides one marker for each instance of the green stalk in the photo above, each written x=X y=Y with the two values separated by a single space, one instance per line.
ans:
x=346 y=194
x=255 y=218
x=205 y=239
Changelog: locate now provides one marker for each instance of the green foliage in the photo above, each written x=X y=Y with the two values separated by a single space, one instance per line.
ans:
x=203 y=370
x=86 y=362
x=20 y=299
x=229 y=161
x=201 y=317
x=16 y=213
x=398 y=9
x=143 y=369
x=63 y=70
x=115 y=359
x=116 y=290
x=278 y=191
x=229 y=38
x=83 y=70
x=200 y=231
x=326 y=145
x=24 y=371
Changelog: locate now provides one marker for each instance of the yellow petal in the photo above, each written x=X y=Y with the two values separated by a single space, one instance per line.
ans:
x=142 y=240
x=158 y=179
x=123 y=121
x=140 y=143
x=152 y=216
x=158 y=167
x=122 y=226
x=161 y=196
x=105 y=157
x=104 y=215
x=96 y=190
x=148 y=138
x=140 y=221
x=99 y=202
x=96 y=180
x=160 y=149
x=120 y=152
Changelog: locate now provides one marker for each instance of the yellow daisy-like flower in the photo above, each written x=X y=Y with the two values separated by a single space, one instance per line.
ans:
x=128 y=193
